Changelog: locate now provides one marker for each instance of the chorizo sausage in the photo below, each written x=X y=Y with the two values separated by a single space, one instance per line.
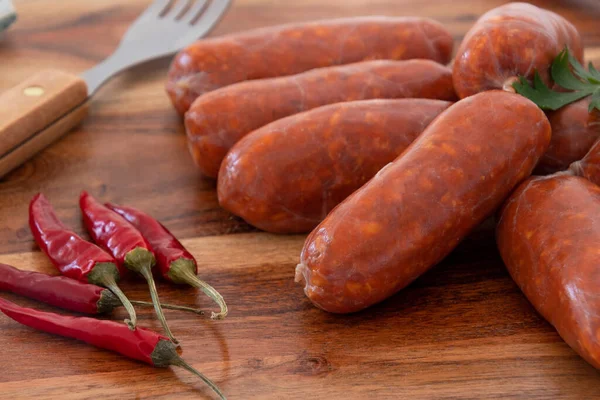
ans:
x=218 y=119
x=508 y=41
x=548 y=236
x=286 y=176
x=574 y=131
x=419 y=207
x=589 y=166
x=290 y=49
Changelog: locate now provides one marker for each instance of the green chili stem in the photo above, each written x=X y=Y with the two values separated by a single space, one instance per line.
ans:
x=141 y=260
x=182 y=271
x=147 y=274
x=169 y=306
x=178 y=361
x=126 y=303
x=106 y=274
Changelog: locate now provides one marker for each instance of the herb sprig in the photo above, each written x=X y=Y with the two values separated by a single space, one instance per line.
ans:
x=569 y=74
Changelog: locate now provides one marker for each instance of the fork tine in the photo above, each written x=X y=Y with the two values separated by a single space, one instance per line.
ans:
x=209 y=18
x=194 y=11
x=204 y=24
x=215 y=11
x=177 y=8
x=155 y=9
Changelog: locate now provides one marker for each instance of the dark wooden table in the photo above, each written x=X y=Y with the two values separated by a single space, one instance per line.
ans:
x=463 y=330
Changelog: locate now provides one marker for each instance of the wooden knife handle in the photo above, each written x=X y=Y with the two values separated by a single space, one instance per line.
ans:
x=41 y=140
x=36 y=103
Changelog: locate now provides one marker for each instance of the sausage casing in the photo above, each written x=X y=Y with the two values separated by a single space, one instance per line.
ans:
x=290 y=49
x=509 y=41
x=548 y=237
x=574 y=131
x=218 y=119
x=589 y=166
x=419 y=207
x=286 y=176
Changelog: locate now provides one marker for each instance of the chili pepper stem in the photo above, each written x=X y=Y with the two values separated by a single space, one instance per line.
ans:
x=147 y=274
x=168 y=306
x=106 y=274
x=141 y=261
x=107 y=302
x=183 y=271
x=165 y=354
x=180 y=362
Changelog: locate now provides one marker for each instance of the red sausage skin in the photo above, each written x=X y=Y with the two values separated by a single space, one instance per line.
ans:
x=420 y=206
x=589 y=166
x=290 y=49
x=512 y=40
x=286 y=176
x=574 y=131
x=548 y=237
x=217 y=120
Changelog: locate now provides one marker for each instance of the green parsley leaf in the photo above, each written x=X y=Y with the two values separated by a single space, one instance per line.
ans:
x=595 y=103
x=594 y=72
x=591 y=76
x=543 y=96
x=562 y=74
x=569 y=74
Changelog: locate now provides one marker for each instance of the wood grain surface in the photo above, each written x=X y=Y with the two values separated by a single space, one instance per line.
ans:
x=462 y=331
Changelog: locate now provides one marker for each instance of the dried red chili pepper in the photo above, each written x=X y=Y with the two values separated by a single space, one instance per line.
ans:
x=125 y=243
x=175 y=263
x=141 y=344
x=72 y=256
x=66 y=293
x=58 y=291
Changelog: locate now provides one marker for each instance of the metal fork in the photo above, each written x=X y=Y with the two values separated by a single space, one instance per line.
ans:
x=158 y=32
x=43 y=108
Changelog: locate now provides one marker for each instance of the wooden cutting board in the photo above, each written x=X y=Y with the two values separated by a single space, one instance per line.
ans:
x=461 y=331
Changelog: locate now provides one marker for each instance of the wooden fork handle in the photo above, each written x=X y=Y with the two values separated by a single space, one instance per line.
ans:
x=35 y=105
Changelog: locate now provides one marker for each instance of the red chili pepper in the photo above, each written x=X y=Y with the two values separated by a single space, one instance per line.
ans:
x=72 y=256
x=66 y=293
x=125 y=243
x=175 y=263
x=141 y=344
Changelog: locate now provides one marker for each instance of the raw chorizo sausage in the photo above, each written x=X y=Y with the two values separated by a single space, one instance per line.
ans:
x=589 y=166
x=218 y=119
x=286 y=176
x=548 y=236
x=574 y=131
x=290 y=49
x=511 y=40
x=419 y=207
